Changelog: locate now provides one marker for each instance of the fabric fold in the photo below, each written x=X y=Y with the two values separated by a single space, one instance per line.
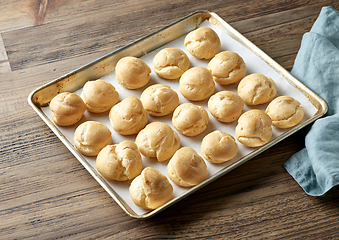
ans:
x=316 y=167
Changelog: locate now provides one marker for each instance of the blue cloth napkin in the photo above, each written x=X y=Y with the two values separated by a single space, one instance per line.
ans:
x=316 y=167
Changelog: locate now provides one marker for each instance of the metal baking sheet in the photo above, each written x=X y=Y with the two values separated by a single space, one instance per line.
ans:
x=145 y=48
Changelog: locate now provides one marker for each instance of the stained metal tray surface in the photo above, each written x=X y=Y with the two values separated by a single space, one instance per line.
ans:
x=145 y=48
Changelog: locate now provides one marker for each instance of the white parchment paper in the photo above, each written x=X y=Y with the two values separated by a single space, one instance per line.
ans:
x=254 y=65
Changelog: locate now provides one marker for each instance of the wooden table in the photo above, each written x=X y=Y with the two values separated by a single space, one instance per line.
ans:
x=47 y=194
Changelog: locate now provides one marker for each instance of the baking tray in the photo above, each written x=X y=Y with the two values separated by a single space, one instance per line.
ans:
x=145 y=48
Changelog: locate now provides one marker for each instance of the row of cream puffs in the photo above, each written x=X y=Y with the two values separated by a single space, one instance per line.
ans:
x=195 y=84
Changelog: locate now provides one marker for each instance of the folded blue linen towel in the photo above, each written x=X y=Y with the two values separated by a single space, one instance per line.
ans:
x=316 y=167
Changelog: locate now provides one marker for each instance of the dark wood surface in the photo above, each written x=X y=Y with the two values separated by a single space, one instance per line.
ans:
x=47 y=194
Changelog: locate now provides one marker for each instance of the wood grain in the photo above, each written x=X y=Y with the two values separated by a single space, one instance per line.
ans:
x=4 y=63
x=47 y=194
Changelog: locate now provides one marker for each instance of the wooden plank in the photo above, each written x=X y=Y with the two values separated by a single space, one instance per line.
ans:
x=70 y=37
x=4 y=63
x=15 y=14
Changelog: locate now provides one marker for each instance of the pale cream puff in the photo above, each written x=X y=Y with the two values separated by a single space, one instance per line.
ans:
x=151 y=189
x=67 y=108
x=159 y=100
x=120 y=162
x=158 y=140
x=203 y=43
x=186 y=168
x=128 y=117
x=99 y=96
x=285 y=112
x=254 y=128
x=190 y=119
x=170 y=63
x=257 y=89
x=218 y=147
x=92 y=136
x=226 y=106
x=132 y=72
x=196 y=84
x=227 y=68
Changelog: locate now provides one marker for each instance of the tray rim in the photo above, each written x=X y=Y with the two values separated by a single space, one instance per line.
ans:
x=322 y=110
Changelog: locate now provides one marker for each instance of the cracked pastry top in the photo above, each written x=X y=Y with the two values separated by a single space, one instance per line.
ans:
x=257 y=89
x=218 y=147
x=186 y=168
x=285 y=112
x=226 y=106
x=254 y=128
x=99 y=96
x=202 y=43
x=159 y=100
x=132 y=72
x=128 y=117
x=170 y=63
x=151 y=189
x=67 y=108
x=92 y=136
x=120 y=162
x=190 y=119
x=196 y=84
x=227 y=68
x=158 y=140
